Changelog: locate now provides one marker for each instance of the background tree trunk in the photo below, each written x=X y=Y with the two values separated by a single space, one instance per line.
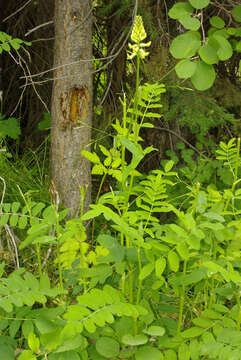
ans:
x=72 y=101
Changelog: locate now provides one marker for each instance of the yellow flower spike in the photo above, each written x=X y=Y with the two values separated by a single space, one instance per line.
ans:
x=137 y=36
x=138 y=32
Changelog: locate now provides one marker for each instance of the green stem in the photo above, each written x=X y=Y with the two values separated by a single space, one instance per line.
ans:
x=236 y=164
x=27 y=201
x=182 y=298
x=211 y=297
x=123 y=275
x=131 y=280
x=123 y=149
x=39 y=260
x=96 y=200
x=136 y=128
x=100 y=187
x=58 y=250
x=138 y=297
x=235 y=173
x=239 y=314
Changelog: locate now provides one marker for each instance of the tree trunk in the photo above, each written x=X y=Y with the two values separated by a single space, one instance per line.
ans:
x=71 y=111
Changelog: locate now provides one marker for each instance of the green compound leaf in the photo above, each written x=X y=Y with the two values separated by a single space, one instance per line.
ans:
x=148 y=352
x=107 y=347
x=180 y=10
x=199 y=4
x=236 y=12
x=204 y=76
x=98 y=169
x=185 y=45
x=185 y=69
x=217 y=22
x=93 y=157
x=190 y=23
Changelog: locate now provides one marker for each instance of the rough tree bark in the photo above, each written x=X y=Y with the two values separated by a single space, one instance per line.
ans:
x=71 y=110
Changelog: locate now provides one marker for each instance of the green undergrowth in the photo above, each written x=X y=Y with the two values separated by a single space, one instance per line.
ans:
x=28 y=172
x=160 y=280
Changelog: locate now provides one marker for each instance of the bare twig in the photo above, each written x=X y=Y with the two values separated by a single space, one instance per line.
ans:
x=17 y=11
x=26 y=71
x=180 y=137
x=38 y=27
x=110 y=57
x=4 y=189
x=11 y=237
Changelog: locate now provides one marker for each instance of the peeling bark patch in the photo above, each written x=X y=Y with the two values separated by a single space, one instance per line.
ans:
x=74 y=16
x=74 y=106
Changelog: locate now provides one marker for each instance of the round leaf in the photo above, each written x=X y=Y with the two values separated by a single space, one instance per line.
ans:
x=208 y=53
x=134 y=340
x=190 y=23
x=225 y=50
x=180 y=9
x=231 y=31
x=199 y=4
x=222 y=32
x=185 y=45
x=148 y=352
x=204 y=76
x=107 y=347
x=236 y=12
x=217 y=22
x=185 y=69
